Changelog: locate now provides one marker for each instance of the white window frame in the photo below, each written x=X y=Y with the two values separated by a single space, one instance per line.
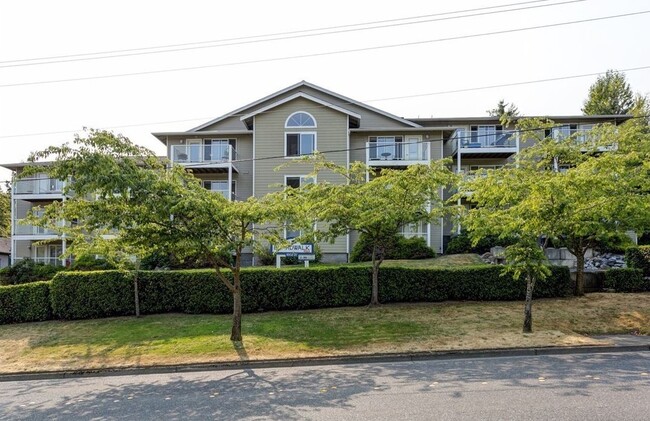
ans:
x=233 y=193
x=394 y=142
x=300 y=154
x=225 y=141
x=286 y=122
x=301 y=177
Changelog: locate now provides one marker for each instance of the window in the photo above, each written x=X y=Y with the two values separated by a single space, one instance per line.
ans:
x=386 y=147
x=295 y=182
x=485 y=136
x=300 y=144
x=218 y=149
x=583 y=132
x=300 y=119
x=221 y=186
x=564 y=131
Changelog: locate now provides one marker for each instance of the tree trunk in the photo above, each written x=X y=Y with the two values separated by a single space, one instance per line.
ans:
x=136 y=293
x=580 y=272
x=236 y=315
x=528 y=306
x=374 y=298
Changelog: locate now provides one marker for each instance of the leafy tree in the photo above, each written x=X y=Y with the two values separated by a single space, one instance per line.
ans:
x=526 y=258
x=141 y=205
x=577 y=189
x=5 y=212
x=610 y=94
x=376 y=208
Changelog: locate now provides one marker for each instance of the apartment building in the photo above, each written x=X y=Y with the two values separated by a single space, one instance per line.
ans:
x=237 y=154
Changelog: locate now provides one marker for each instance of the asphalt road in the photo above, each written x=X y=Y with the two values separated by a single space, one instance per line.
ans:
x=613 y=386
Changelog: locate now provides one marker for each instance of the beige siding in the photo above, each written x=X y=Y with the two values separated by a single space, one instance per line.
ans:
x=331 y=134
x=230 y=123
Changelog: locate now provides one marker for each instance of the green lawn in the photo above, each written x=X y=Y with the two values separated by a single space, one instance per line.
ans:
x=180 y=338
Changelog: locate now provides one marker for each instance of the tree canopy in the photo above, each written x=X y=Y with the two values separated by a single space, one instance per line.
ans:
x=610 y=94
x=506 y=111
x=140 y=203
x=578 y=189
x=5 y=212
x=376 y=204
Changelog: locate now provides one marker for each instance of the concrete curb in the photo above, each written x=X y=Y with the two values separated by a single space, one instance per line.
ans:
x=322 y=361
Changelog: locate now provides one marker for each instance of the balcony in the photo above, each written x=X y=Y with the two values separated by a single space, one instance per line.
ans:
x=396 y=153
x=38 y=186
x=53 y=261
x=205 y=158
x=27 y=229
x=485 y=144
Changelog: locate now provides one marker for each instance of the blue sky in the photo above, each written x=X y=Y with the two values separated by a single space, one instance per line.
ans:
x=179 y=100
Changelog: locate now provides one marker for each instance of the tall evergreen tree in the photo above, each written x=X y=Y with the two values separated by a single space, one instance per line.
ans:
x=610 y=94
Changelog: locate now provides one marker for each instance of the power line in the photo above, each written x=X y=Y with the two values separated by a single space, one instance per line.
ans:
x=554 y=79
x=327 y=53
x=271 y=37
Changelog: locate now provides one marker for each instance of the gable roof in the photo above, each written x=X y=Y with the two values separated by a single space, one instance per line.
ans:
x=250 y=106
x=300 y=95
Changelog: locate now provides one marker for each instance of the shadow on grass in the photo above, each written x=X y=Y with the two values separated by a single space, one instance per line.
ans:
x=294 y=393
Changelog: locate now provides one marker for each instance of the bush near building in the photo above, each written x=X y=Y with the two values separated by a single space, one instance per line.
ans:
x=626 y=280
x=397 y=248
x=639 y=258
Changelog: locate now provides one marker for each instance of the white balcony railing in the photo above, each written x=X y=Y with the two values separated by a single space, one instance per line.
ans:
x=54 y=261
x=484 y=140
x=377 y=152
x=27 y=229
x=38 y=186
x=196 y=154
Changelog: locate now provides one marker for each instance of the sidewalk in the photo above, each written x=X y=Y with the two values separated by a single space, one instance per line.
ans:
x=620 y=343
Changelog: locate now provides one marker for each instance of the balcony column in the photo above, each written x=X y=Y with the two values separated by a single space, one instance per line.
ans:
x=63 y=239
x=458 y=170
x=229 y=173
x=13 y=220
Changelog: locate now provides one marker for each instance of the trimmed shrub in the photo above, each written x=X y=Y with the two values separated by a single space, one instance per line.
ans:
x=639 y=258
x=90 y=295
x=27 y=270
x=461 y=244
x=89 y=262
x=626 y=280
x=25 y=303
x=77 y=295
x=397 y=247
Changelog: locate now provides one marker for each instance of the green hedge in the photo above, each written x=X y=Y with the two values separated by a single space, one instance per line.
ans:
x=639 y=258
x=626 y=280
x=91 y=295
x=110 y=293
x=478 y=283
x=25 y=303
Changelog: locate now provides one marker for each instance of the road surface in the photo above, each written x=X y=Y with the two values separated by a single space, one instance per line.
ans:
x=613 y=386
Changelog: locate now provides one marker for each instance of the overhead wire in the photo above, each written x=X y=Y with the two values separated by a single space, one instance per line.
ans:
x=316 y=107
x=276 y=34
x=326 y=53
x=274 y=37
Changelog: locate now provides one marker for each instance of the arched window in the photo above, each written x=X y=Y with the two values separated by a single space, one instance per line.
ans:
x=300 y=119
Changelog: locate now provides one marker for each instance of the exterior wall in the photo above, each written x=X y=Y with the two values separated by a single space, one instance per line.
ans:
x=331 y=134
x=4 y=260
x=230 y=123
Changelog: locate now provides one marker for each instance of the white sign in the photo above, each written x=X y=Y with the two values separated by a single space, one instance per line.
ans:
x=306 y=257
x=297 y=249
